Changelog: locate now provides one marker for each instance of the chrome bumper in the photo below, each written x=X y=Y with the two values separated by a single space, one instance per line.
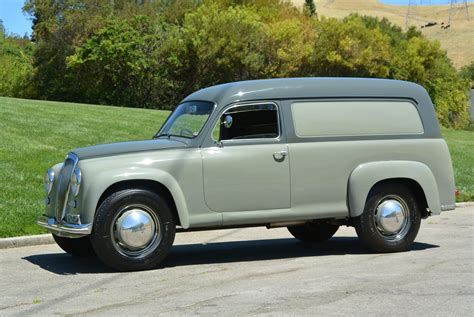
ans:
x=448 y=207
x=67 y=230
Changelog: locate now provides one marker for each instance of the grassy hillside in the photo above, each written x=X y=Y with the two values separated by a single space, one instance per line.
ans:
x=457 y=40
x=36 y=134
x=461 y=147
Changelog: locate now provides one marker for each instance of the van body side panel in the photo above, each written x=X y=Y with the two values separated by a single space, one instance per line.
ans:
x=377 y=117
x=321 y=171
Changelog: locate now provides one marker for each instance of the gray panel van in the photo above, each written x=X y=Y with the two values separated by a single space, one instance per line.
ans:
x=310 y=154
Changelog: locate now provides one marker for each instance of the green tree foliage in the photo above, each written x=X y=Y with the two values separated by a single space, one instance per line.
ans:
x=415 y=58
x=120 y=64
x=467 y=72
x=350 y=49
x=310 y=7
x=152 y=53
x=15 y=64
x=226 y=44
x=289 y=46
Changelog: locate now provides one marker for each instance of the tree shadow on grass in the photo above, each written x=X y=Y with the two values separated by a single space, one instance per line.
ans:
x=219 y=252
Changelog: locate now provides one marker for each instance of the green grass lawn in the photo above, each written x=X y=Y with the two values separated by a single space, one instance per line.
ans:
x=461 y=147
x=36 y=134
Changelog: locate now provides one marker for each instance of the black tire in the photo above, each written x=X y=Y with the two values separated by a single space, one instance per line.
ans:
x=105 y=243
x=80 y=247
x=313 y=232
x=371 y=234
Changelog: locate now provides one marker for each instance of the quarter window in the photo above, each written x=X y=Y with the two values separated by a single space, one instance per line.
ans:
x=257 y=121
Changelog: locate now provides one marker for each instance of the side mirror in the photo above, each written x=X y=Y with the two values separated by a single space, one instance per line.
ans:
x=227 y=122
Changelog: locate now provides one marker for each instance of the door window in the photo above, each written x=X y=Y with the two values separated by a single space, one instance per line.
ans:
x=254 y=121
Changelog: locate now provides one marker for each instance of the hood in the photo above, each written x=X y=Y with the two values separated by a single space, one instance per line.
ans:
x=126 y=147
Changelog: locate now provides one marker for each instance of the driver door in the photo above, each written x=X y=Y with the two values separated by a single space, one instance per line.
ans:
x=248 y=167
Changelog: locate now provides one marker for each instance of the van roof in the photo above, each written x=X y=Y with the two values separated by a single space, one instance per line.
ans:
x=311 y=87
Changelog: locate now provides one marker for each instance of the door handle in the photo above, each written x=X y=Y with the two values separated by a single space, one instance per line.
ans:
x=280 y=156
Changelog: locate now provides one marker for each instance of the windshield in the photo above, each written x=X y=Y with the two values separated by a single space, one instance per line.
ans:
x=187 y=119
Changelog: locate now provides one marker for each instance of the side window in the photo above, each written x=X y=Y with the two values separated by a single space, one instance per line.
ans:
x=247 y=122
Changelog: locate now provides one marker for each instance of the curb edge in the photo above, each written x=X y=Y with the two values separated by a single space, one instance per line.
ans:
x=26 y=241
x=465 y=204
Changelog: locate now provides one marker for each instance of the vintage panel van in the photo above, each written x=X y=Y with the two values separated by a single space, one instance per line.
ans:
x=310 y=154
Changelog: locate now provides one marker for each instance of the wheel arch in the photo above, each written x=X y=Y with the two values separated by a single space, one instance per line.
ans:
x=417 y=176
x=158 y=181
x=146 y=184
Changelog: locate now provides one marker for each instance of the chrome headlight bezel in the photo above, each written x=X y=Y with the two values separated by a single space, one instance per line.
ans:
x=49 y=181
x=76 y=179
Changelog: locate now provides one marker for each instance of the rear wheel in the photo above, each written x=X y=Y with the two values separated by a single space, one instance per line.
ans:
x=80 y=247
x=133 y=230
x=313 y=231
x=390 y=221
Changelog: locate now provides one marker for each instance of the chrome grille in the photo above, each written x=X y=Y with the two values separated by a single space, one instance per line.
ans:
x=64 y=180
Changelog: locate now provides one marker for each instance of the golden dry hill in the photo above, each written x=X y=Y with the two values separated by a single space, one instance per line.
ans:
x=458 y=39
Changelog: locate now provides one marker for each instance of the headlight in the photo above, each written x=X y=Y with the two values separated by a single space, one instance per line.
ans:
x=48 y=181
x=76 y=182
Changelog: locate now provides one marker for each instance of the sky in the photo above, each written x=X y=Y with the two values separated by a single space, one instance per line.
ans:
x=15 y=21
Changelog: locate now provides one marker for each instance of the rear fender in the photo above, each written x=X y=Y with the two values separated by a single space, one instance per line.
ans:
x=366 y=175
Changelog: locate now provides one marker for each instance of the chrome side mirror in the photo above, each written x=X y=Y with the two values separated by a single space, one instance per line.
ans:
x=227 y=122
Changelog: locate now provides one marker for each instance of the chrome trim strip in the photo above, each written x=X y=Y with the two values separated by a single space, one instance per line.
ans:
x=250 y=140
x=65 y=229
x=448 y=207
x=61 y=201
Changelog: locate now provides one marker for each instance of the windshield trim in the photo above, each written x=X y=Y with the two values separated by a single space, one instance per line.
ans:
x=160 y=131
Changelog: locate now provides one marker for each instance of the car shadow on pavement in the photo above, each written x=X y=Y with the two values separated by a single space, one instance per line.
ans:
x=271 y=249
x=65 y=264
x=219 y=252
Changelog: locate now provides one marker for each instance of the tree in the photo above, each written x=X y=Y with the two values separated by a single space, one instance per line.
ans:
x=467 y=72
x=349 y=49
x=15 y=64
x=310 y=7
x=288 y=47
x=120 y=64
x=226 y=44
x=152 y=53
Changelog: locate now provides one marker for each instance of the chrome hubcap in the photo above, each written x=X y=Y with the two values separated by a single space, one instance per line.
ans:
x=135 y=228
x=136 y=231
x=392 y=218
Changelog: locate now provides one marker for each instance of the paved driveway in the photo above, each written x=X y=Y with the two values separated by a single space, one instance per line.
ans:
x=255 y=271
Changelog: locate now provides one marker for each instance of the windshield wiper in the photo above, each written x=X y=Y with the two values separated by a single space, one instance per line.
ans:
x=168 y=135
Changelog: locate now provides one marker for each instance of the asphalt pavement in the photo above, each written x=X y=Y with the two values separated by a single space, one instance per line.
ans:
x=255 y=272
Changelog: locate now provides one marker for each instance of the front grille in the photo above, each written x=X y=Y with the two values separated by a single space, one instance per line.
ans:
x=64 y=180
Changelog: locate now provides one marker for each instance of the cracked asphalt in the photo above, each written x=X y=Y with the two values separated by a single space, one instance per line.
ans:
x=255 y=272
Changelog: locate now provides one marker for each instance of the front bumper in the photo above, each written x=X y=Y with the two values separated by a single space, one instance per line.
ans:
x=448 y=207
x=67 y=230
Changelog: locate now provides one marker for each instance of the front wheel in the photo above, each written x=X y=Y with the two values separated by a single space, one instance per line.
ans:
x=133 y=230
x=390 y=221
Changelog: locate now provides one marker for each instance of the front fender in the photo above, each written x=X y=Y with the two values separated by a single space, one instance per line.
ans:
x=366 y=175
x=107 y=178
